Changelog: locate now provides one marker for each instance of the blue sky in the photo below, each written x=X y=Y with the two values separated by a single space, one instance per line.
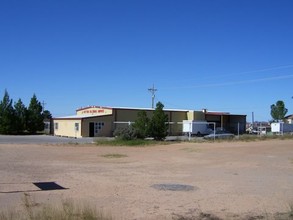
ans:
x=223 y=55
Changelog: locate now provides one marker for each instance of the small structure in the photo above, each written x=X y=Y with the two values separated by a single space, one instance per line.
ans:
x=289 y=119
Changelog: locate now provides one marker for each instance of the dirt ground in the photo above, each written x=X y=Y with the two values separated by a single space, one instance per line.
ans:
x=229 y=180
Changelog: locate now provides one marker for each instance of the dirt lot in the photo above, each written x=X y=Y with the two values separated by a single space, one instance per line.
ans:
x=229 y=180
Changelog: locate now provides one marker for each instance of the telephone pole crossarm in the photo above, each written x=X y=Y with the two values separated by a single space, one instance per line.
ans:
x=153 y=90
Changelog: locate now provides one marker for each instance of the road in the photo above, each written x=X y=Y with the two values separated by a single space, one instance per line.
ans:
x=41 y=139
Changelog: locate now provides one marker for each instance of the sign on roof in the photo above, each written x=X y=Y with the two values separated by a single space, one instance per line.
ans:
x=94 y=110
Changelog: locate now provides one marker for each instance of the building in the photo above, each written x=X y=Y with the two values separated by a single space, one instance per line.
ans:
x=289 y=119
x=98 y=121
x=48 y=126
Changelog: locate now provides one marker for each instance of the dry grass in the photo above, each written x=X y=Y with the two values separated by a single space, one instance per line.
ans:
x=67 y=211
x=191 y=150
x=73 y=211
x=114 y=155
x=129 y=143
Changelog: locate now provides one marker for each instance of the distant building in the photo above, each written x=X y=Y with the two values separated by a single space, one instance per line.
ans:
x=48 y=126
x=98 y=121
x=289 y=119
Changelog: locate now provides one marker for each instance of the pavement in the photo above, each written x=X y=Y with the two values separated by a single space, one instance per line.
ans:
x=42 y=139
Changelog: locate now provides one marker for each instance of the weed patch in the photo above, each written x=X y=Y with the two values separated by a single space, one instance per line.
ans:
x=191 y=150
x=114 y=155
x=130 y=143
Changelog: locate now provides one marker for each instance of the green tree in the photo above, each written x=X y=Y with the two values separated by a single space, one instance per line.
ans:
x=47 y=114
x=278 y=110
x=141 y=125
x=35 y=118
x=158 y=125
x=7 y=115
x=20 y=114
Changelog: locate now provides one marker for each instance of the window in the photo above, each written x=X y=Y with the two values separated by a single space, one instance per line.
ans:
x=56 y=126
x=76 y=126
x=98 y=127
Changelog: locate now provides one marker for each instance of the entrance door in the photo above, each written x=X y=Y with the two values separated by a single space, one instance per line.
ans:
x=92 y=129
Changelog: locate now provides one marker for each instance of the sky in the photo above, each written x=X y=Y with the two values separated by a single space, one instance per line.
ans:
x=220 y=55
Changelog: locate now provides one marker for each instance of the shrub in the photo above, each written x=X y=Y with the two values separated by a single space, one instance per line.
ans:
x=125 y=133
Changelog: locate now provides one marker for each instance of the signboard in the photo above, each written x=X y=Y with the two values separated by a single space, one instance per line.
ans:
x=94 y=110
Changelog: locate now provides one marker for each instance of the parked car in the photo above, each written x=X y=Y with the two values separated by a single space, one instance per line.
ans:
x=220 y=134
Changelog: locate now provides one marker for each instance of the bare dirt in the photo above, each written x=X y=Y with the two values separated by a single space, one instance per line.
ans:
x=229 y=179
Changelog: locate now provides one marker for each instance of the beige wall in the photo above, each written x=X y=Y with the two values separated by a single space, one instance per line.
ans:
x=196 y=116
x=103 y=126
x=175 y=128
x=130 y=115
x=65 y=127
x=122 y=116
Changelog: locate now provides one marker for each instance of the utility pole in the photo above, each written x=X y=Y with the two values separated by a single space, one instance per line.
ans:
x=153 y=90
x=43 y=105
x=252 y=120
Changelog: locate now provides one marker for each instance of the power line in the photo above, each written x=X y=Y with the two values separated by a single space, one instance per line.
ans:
x=233 y=82
x=214 y=76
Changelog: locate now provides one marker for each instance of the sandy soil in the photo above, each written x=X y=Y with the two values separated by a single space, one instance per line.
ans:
x=229 y=180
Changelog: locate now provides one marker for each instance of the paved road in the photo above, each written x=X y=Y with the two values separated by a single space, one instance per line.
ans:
x=40 y=139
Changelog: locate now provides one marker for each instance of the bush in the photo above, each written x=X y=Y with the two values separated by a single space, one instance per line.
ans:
x=126 y=133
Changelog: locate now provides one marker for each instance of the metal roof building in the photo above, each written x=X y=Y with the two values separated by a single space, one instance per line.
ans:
x=98 y=121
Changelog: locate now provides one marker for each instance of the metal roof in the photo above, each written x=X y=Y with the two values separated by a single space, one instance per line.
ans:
x=81 y=116
x=78 y=116
x=131 y=108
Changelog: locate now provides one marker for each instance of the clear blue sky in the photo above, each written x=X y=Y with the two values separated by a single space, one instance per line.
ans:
x=223 y=55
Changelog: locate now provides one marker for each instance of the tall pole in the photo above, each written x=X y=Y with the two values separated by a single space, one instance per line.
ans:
x=153 y=90
x=43 y=105
x=252 y=119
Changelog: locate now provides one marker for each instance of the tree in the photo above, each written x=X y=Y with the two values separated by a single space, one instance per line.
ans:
x=7 y=115
x=278 y=110
x=47 y=114
x=20 y=114
x=158 y=125
x=35 y=118
x=141 y=125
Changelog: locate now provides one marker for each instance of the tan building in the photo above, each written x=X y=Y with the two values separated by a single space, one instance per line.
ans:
x=289 y=119
x=97 y=121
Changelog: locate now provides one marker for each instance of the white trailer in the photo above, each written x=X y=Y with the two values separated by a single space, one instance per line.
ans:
x=196 y=127
x=281 y=127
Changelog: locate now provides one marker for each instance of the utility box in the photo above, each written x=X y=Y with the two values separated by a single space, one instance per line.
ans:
x=198 y=128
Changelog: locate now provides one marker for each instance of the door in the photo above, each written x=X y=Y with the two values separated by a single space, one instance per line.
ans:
x=92 y=129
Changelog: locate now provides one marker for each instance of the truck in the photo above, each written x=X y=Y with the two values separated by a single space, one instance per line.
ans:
x=198 y=128
x=281 y=127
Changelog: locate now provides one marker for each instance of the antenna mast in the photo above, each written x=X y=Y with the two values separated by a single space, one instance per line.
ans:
x=153 y=90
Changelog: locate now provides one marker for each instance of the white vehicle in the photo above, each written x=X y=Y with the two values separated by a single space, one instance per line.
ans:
x=281 y=127
x=198 y=128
